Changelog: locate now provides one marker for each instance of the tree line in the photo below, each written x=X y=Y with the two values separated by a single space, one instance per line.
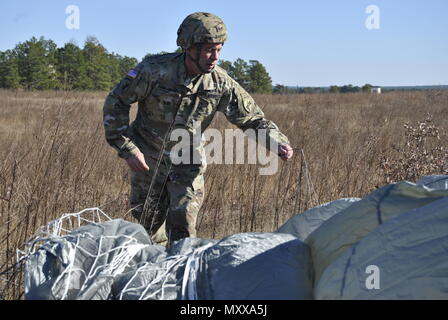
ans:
x=251 y=75
x=281 y=89
x=38 y=64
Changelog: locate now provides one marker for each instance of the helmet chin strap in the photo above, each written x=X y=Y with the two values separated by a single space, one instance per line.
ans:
x=196 y=59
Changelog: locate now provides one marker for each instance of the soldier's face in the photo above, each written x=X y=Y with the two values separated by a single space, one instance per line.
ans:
x=209 y=56
x=206 y=55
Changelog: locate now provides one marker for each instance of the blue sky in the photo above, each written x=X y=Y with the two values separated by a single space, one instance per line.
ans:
x=304 y=43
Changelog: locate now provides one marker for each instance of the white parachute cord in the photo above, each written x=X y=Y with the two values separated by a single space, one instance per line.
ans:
x=174 y=261
x=69 y=270
x=192 y=269
x=121 y=260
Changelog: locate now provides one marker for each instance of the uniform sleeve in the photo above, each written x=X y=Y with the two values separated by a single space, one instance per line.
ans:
x=132 y=88
x=241 y=110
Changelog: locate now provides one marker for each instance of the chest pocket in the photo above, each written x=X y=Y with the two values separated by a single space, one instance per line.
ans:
x=162 y=104
x=206 y=109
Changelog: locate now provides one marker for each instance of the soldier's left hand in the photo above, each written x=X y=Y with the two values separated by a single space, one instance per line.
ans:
x=285 y=152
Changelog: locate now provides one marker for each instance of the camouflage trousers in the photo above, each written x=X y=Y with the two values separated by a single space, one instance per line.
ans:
x=174 y=201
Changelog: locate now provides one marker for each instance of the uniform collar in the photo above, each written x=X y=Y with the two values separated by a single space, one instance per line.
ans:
x=184 y=80
x=208 y=83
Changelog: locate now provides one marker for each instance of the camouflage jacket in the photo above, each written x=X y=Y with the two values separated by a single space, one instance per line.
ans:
x=163 y=90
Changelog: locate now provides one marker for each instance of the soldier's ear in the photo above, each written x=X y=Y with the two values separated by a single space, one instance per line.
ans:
x=191 y=51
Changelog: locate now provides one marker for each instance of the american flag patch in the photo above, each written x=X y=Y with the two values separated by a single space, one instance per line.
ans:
x=132 y=73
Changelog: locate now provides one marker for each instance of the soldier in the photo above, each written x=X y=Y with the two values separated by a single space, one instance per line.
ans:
x=176 y=90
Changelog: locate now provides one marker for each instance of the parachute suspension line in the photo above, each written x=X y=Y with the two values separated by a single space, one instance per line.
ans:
x=309 y=181
x=146 y=206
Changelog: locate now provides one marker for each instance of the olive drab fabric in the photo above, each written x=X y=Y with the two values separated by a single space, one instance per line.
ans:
x=169 y=99
x=201 y=27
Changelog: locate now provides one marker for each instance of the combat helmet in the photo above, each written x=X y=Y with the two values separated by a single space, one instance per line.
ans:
x=201 y=27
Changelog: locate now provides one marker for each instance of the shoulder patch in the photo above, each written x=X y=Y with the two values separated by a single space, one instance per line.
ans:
x=132 y=73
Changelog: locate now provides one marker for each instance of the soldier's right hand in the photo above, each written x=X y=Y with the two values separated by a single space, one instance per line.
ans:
x=137 y=162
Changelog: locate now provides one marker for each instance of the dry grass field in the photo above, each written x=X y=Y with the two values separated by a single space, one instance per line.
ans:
x=54 y=160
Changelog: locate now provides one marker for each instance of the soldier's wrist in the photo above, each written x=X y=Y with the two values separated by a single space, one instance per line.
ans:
x=128 y=150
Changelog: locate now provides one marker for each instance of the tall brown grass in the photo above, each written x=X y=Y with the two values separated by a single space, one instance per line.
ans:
x=54 y=160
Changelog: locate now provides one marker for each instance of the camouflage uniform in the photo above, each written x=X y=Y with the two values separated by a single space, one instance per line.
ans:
x=168 y=98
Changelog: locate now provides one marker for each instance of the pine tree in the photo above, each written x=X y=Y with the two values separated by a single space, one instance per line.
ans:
x=334 y=89
x=226 y=65
x=260 y=81
x=119 y=66
x=367 y=87
x=125 y=64
x=240 y=73
x=9 y=70
x=71 y=67
x=113 y=67
x=37 y=64
x=97 y=65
